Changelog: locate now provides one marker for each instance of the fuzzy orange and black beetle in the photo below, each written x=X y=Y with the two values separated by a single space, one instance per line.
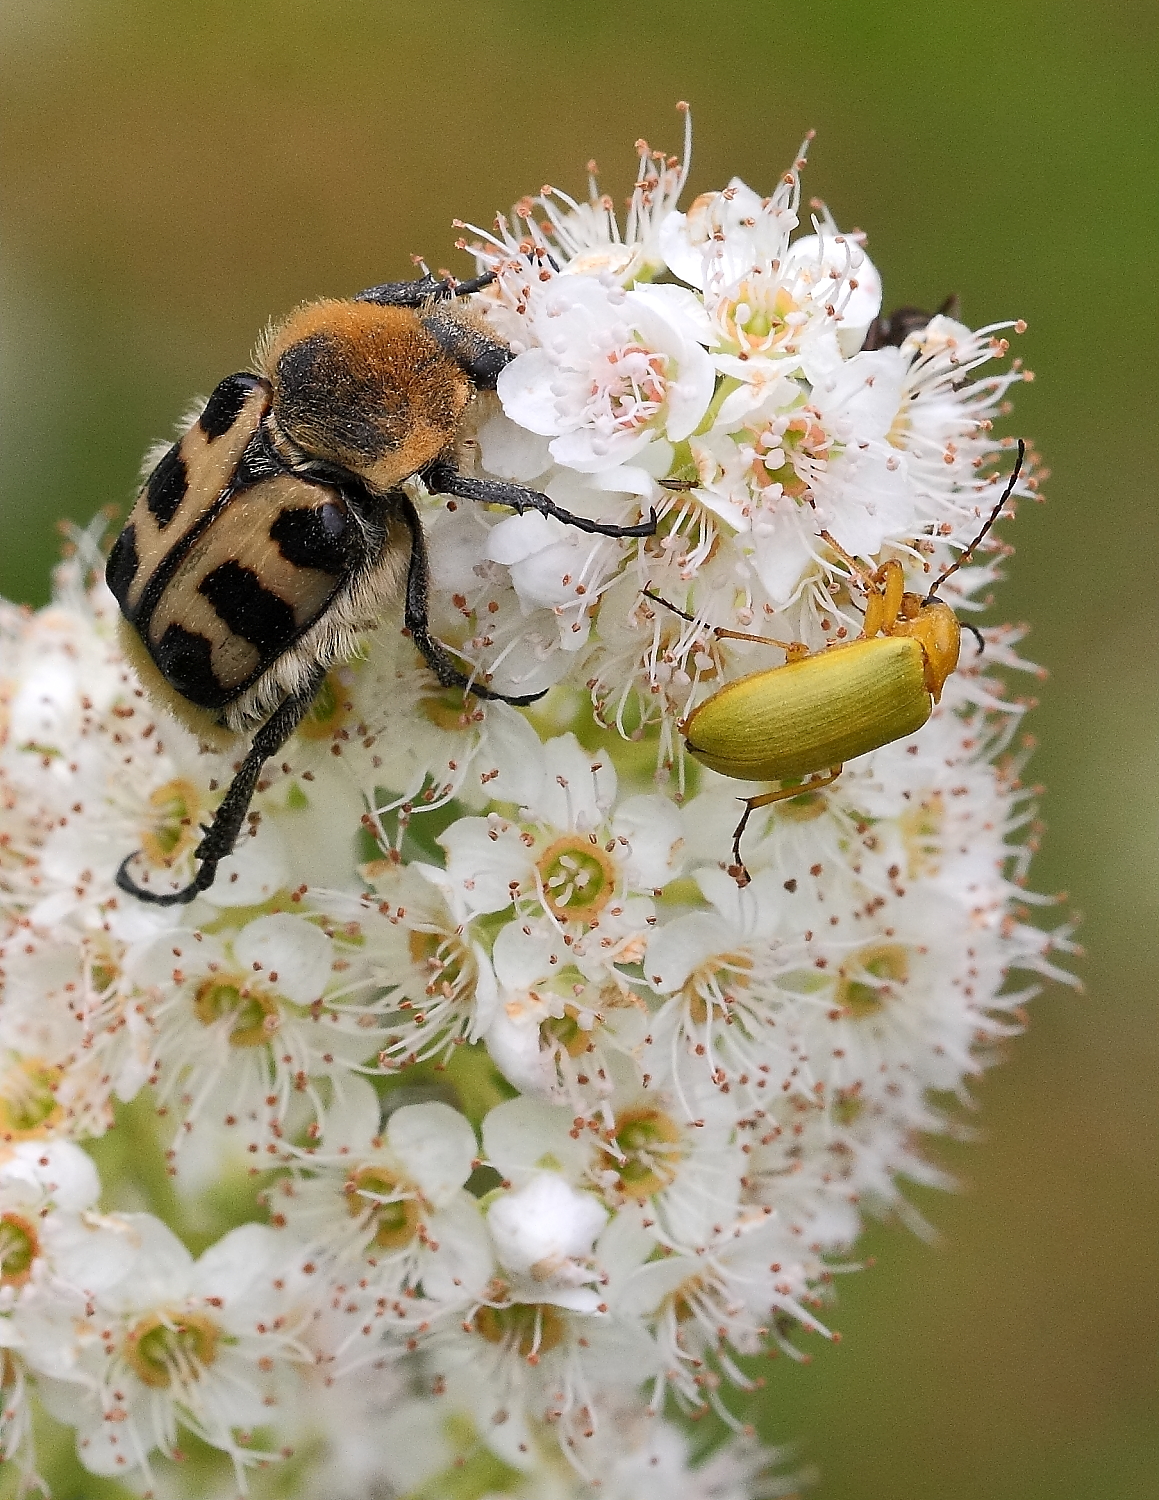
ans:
x=276 y=531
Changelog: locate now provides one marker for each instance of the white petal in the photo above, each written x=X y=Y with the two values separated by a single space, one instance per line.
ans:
x=482 y=869
x=537 y=1228
x=510 y=451
x=682 y=308
x=58 y=1170
x=578 y=788
x=525 y=389
x=241 y=1262
x=681 y=946
x=290 y=947
x=524 y=1136
x=436 y=1145
x=463 y=1264
x=522 y=955
x=354 y=1117
x=257 y=870
x=652 y=827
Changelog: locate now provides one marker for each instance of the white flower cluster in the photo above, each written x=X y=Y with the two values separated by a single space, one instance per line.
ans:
x=547 y=1121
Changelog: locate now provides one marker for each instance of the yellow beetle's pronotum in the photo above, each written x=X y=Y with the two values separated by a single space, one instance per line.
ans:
x=799 y=722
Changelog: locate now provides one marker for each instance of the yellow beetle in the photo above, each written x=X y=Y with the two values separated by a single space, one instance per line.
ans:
x=805 y=718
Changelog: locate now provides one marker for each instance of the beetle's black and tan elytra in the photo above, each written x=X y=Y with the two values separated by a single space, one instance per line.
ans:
x=275 y=531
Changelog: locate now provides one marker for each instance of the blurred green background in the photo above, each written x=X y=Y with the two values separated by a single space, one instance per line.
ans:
x=173 y=174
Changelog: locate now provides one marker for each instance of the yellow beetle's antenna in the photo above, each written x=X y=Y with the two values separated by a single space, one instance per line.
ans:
x=993 y=516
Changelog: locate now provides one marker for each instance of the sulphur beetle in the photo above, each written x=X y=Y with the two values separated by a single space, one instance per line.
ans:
x=805 y=718
x=275 y=530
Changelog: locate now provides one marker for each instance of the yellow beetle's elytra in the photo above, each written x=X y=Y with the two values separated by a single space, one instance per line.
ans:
x=799 y=722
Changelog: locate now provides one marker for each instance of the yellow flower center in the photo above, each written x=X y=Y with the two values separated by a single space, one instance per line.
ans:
x=712 y=985
x=448 y=709
x=444 y=958
x=253 y=1011
x=921 y=830
x=848 y=1109
x=19 y=1247
x=168 y=1347
x=172 y=829
x=803 y=809
x=567 y=1031
x=531 y=1328
x=578 y=878
x=868 y=978
x=649 y=1147
x=775 y=465
x=638 y=386
x=396 y=1219
x=755 y=324
x=329 y=710
x=29 y=1107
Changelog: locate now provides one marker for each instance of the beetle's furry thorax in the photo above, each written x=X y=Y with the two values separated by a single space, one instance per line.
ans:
x=368 y=388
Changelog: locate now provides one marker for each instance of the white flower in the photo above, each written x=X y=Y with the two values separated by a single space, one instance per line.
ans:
x=245 y=1022
x=609 y=371
x=173 y=1341
x=573 y=855
x=442 y=901
x=585 y=239
x=387 y=1205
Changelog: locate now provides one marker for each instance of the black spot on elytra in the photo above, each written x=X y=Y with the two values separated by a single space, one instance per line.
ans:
x=223 y=407
x=314 y=537
x=184 y=661
x=250 y=609
x=166 y=487
x=121 y=568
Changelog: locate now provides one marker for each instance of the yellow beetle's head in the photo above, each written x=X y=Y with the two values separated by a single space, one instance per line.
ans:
x=935 y=627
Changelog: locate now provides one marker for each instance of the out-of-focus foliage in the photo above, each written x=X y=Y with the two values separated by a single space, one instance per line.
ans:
x=173 y=175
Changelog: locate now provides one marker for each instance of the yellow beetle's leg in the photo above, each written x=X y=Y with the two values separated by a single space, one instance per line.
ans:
x=864 y=575
x=884 y=599
x=892 y=576
x=766 y=799
x=790 y=648
x=874 y=621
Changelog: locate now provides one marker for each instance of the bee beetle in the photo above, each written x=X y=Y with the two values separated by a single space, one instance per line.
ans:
x=276 y=530
x=805 y=718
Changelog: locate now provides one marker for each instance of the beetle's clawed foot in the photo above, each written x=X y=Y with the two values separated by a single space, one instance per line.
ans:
x=200 y=882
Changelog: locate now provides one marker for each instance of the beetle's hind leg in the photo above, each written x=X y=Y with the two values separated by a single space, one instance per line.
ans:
x=443 y=479
x=766 y=799
x=221 y=834
x=438 y=658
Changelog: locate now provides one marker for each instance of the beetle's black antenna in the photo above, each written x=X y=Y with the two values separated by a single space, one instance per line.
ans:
x=659 y=598
x=976 y=633
x=993 y=516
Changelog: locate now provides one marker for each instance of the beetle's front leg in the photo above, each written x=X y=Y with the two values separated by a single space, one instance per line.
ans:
x=425 y=289
x=443 y=479
x=766 y=799
x=415 y=606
